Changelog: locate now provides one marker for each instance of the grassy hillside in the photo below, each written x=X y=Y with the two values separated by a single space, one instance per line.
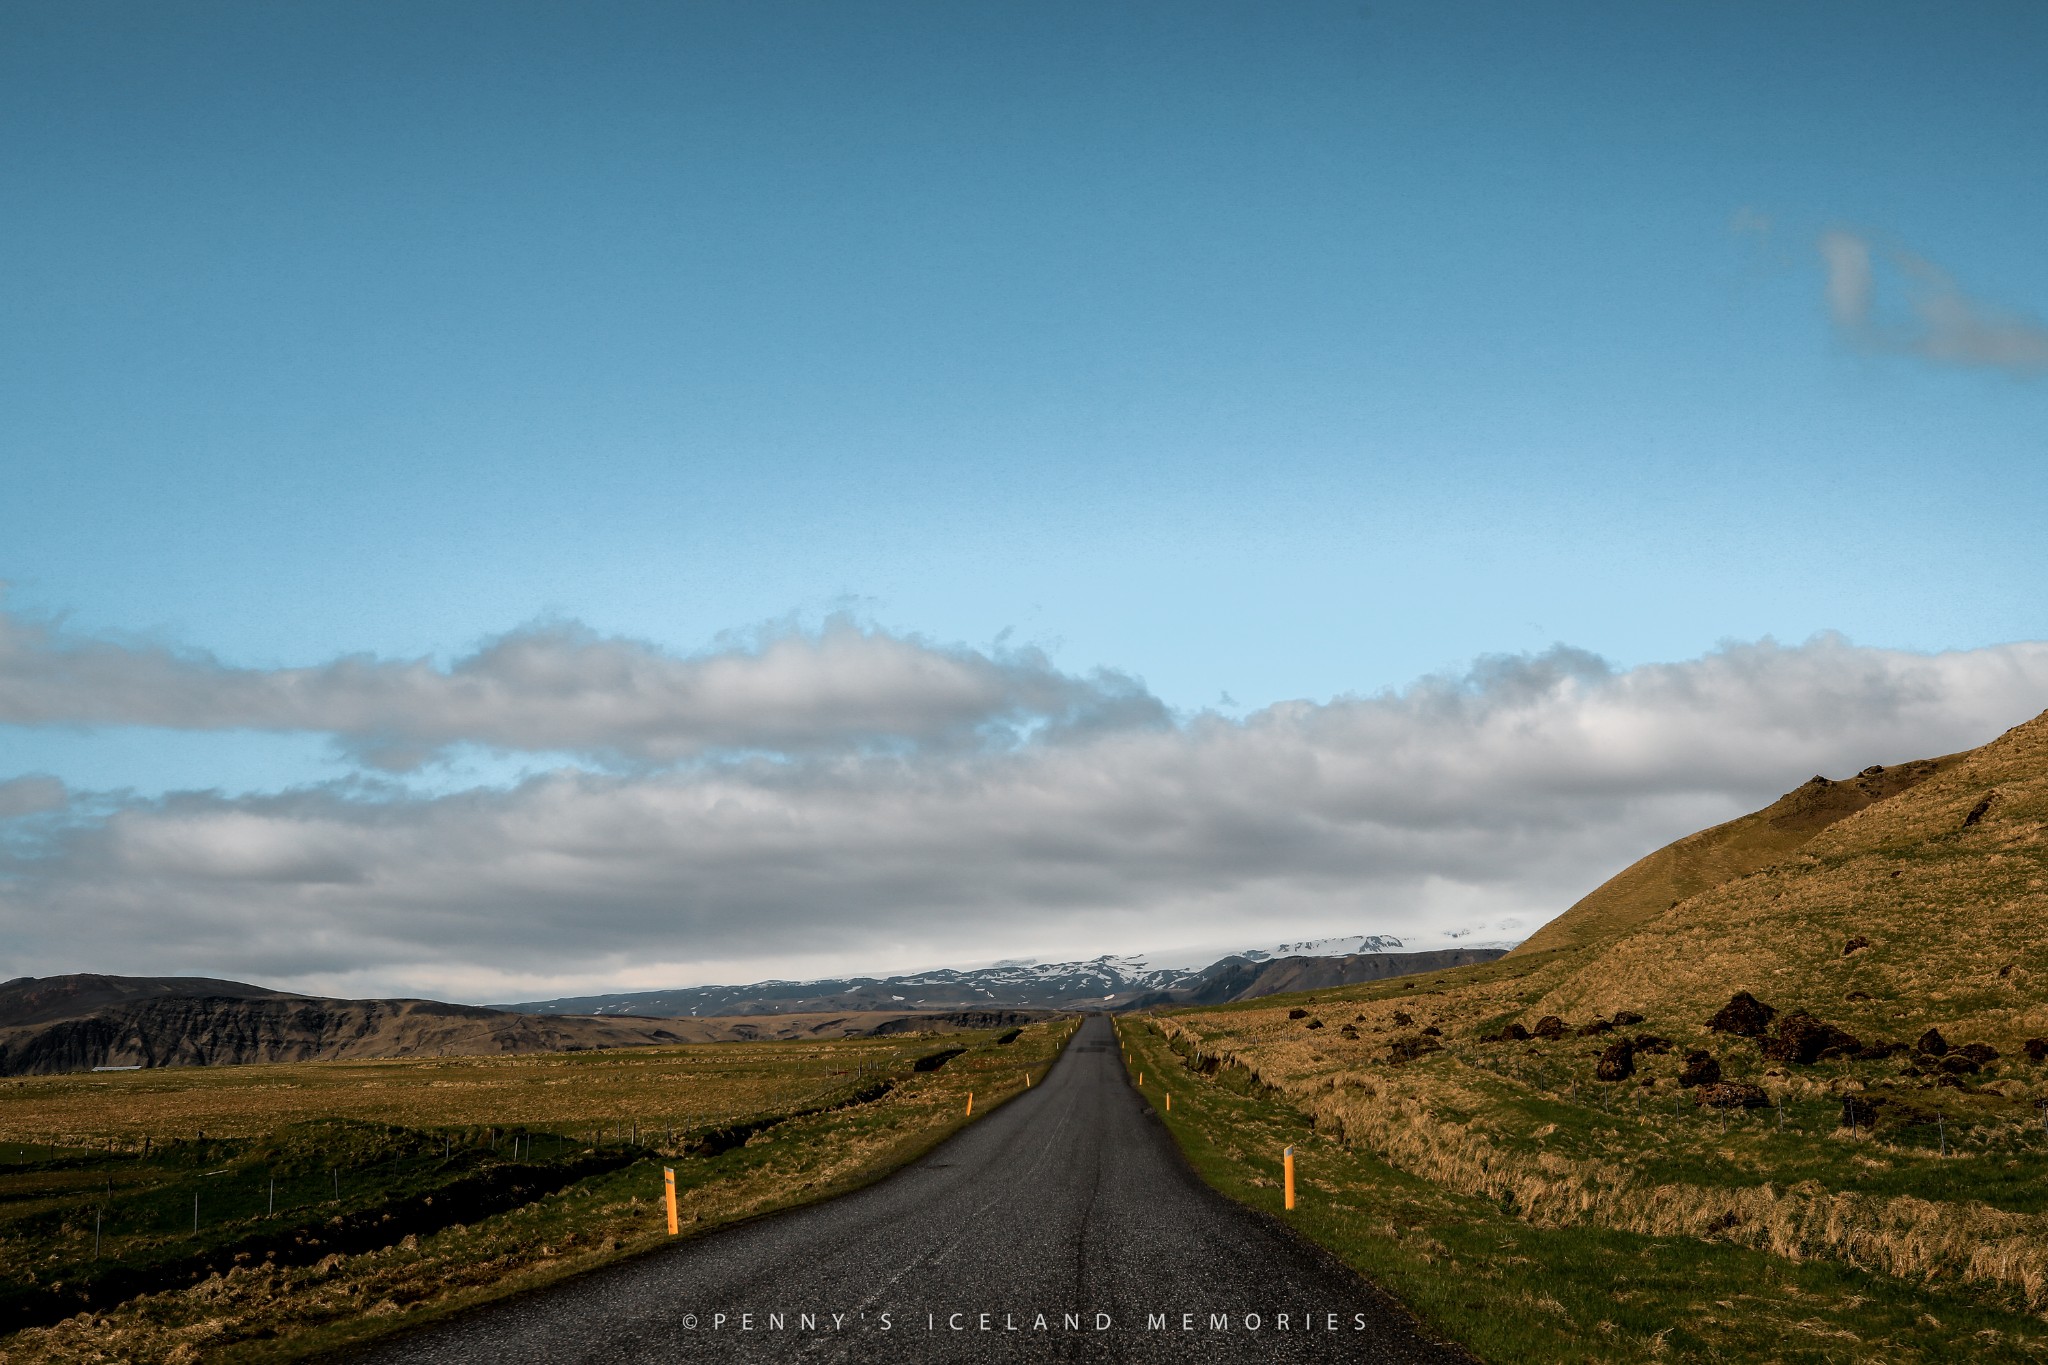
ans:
x=1699 y=862
x=1943 y=890
x=1568 y=1127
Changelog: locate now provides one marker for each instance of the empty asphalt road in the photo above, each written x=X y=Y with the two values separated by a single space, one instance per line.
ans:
x=1062 y=1227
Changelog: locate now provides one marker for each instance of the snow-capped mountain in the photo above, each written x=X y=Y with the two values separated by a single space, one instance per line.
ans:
x=1113 y=981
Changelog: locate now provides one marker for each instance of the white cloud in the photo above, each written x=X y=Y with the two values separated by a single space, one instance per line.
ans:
x=563 y=688
x=1496 y=796
x=1941 y=323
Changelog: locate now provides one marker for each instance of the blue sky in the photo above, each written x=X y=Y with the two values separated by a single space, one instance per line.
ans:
x=1257 y=352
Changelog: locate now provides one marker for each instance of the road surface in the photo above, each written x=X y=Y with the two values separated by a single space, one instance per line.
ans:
x=1063 y=1227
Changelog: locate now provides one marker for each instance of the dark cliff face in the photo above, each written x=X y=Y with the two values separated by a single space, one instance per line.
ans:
x=1317 y=973
x=193 y=1032
x=151 y=1028
x=1241 y=979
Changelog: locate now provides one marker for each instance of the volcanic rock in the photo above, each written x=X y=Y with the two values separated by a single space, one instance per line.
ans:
x=1743 y=1015
x=1408 y=1048
x=1700 y=1069
x=2036 y=1049
x=1617 y=1063
x=1803 y=1040
x=1932 y=1044
x=1549 y=1026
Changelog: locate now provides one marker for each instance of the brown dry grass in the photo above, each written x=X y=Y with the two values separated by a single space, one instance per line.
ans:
x=1435 y=1122
x=1505 y=1215
x=682 y=1086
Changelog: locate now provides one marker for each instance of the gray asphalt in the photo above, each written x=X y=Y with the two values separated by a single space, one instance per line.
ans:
x=1063 y=1227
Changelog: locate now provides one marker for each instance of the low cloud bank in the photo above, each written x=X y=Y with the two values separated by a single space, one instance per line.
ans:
x=1488 y=800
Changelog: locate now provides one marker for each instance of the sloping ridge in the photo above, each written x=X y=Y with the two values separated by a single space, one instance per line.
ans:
x=42 y=1000
x=1927 y=903
x=1654 y=884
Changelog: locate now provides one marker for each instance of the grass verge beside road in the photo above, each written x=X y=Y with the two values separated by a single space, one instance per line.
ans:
x=1480 y=1270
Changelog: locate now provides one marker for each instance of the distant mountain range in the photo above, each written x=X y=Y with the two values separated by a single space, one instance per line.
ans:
x=1105 y=983
x=87 y=1021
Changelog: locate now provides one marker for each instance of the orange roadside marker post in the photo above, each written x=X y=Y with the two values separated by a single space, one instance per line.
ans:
x=970 y=1104
x=668 y=1178
x=1287 y=1162
x=1169 y=1101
